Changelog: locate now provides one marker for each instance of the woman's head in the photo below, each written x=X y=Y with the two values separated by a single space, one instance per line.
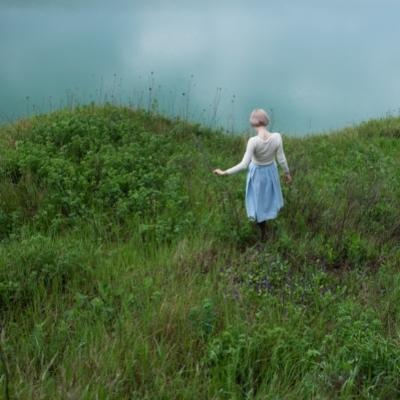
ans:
x=259 y=117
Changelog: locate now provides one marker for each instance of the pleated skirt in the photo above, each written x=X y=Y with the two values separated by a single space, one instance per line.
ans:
x=263 y=192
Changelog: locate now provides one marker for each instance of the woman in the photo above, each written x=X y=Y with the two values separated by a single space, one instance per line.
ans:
x=263 y=190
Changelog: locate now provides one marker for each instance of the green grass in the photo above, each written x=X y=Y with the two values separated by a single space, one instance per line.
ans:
x=129 y=271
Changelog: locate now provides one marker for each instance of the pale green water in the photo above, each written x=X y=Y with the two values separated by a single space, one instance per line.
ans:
x=314 y=65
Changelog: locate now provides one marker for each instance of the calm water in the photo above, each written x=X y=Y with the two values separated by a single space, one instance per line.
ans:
x=314 y=65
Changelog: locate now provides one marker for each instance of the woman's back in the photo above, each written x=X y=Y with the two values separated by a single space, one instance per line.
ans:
x=261 y=152
x=265 y=149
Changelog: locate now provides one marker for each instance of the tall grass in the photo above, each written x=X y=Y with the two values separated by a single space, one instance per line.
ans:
x=129 y=271
x=149 y=93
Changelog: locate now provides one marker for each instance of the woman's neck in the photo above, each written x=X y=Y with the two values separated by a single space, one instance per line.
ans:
x=263 y=132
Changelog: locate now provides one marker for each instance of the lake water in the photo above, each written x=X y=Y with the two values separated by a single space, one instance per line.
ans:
x=315 y=66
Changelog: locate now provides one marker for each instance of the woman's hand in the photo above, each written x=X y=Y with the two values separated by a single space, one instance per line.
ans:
x=288 y=178
x=219 y=172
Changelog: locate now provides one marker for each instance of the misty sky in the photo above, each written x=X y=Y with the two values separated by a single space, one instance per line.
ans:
x=314 y=65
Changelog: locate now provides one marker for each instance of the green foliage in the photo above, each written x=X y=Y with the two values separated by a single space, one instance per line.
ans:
x=129 y=271
x=92 y=162
x=359 y=360
x=203 y=318
x=43 y=266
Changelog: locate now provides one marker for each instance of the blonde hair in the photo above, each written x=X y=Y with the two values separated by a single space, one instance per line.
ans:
x=259 y=117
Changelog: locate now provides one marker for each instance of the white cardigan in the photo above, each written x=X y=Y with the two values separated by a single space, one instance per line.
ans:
x=262 y=152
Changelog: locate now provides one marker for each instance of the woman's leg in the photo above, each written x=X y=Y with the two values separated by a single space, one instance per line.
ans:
x=261 y=225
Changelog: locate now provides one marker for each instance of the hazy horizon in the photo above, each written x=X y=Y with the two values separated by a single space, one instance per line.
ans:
x=314 y=66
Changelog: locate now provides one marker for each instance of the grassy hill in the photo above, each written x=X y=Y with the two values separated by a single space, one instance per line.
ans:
x=129 y=271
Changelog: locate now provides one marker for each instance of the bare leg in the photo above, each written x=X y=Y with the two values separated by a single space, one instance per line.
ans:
x=261 y=225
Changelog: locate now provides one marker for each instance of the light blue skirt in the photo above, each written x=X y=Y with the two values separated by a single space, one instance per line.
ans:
x=263 y=192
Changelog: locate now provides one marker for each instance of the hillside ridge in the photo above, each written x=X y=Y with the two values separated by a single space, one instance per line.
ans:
x=128 y=270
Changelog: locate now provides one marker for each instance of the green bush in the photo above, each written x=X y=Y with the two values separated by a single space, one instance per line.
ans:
x=88 y=162
x=38 y=265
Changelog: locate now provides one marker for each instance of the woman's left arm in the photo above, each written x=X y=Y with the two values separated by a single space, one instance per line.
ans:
x=280 y=156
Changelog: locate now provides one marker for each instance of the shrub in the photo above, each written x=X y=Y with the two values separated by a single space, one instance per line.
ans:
x=37 y=265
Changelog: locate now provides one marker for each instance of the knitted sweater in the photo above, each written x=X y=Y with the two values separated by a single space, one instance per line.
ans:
x=262 y=152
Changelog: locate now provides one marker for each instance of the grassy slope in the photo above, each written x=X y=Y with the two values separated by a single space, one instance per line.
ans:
x=123 y=275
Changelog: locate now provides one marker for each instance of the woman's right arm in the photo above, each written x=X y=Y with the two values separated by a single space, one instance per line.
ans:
x=245 y=161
